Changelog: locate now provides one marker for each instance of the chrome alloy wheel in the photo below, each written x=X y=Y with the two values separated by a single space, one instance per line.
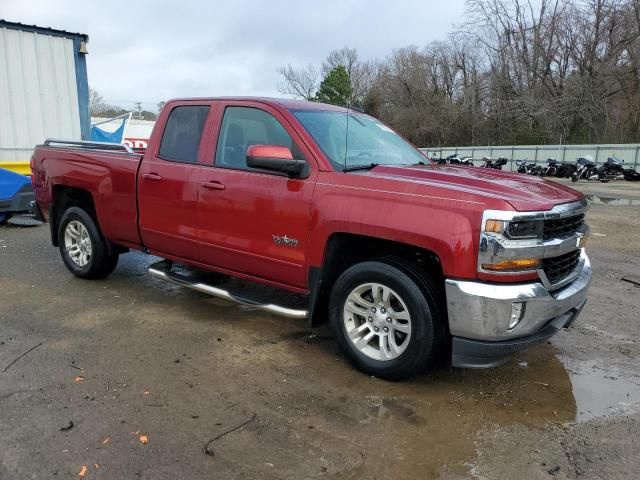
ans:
x=377 y=321
x=77 y=243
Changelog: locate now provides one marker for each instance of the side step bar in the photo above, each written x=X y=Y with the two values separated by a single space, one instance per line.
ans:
x=162 y=270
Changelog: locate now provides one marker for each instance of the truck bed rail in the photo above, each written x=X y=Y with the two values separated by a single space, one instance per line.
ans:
x=83 y=144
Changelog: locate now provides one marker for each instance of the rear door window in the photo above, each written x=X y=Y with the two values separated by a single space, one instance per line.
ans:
x=183 y=132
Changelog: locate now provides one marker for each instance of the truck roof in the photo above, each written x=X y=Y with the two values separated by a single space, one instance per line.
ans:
x=288 y=103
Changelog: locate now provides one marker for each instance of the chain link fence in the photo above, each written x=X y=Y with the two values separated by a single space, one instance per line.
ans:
x=629 y=152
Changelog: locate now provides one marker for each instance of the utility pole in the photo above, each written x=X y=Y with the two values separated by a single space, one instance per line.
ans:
x=139 y=107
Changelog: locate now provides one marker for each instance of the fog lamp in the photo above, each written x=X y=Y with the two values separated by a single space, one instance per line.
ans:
x=512 y=265
x=582 y=241
x=517 y=312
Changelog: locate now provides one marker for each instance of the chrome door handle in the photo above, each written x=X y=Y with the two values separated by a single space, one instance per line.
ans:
x=213 y=185
x=151 y=176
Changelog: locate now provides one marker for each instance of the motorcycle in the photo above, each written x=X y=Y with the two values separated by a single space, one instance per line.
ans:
x=565 y=170
x=521 y=166
x=587 y=170
x=614 y=167
x=551 y=169
x=455 y=159
x=488 y=162
x=631 y=175
x=529 y=168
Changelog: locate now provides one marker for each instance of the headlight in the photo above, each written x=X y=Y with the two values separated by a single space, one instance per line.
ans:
x=515 y=230
x=521 y=234
x=524 y=229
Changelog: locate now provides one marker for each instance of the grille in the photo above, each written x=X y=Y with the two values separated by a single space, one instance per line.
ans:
x=560 y=227
x=557 y=268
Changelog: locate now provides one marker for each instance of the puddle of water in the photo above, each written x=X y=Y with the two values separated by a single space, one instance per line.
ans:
x=600 y=391
x=612 y=201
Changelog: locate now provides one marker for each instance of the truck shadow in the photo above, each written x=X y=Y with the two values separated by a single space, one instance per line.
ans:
x=304 y=393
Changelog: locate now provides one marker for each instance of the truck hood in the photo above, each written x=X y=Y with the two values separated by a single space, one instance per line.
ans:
x=523 y=192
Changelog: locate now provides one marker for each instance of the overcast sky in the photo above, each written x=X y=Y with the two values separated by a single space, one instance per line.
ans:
x=154 y=50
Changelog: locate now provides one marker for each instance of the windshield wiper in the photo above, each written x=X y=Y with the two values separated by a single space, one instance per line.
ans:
x=353 y=168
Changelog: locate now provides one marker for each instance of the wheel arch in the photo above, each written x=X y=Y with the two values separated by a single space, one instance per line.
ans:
x=343 y=250
x=65 y=197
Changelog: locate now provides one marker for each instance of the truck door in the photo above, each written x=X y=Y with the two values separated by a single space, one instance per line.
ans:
x=255 y=222
x=168 y=184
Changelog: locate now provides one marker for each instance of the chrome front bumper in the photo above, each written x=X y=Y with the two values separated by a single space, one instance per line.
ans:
x=482 y=311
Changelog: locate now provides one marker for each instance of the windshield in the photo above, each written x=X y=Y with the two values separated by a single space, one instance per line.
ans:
x=368 y=141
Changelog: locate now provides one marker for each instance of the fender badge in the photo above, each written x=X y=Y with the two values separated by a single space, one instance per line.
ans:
x=284 y=240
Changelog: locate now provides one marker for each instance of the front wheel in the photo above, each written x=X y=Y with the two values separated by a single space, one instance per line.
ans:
x=386 y=318
x=84 y=250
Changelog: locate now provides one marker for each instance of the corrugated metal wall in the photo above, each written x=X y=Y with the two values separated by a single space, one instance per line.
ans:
x=38 y=92
x=629 y=152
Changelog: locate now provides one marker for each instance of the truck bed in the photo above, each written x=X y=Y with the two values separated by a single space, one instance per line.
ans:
x=107 y=172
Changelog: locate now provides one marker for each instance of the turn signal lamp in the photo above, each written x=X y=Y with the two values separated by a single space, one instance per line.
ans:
x=494 y=226
x=513 y=265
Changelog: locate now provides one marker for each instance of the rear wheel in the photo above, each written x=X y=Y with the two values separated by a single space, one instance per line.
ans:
x=84 y=250
x=386 y=318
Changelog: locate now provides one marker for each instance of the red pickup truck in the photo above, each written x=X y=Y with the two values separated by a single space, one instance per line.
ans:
x=401 y=255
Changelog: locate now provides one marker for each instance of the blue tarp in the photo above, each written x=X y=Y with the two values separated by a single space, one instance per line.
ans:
x=99 y=135
x=10 y=183
x=15 y=193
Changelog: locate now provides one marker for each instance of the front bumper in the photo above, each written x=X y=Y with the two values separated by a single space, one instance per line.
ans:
x=480 y=313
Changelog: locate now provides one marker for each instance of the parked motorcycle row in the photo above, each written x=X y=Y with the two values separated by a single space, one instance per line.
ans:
x=456 y=159
x=583 y=169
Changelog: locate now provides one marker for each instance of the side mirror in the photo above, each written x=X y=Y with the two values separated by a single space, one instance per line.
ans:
x=274 y=158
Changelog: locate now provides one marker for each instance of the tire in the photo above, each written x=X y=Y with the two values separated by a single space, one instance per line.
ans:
x=412 y=335
x=79 y=233
x=574 y=178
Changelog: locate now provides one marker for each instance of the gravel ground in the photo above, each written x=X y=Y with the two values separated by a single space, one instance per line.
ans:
x=134 y=378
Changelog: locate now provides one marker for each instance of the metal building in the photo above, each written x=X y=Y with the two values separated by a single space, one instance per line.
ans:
x=44 y=91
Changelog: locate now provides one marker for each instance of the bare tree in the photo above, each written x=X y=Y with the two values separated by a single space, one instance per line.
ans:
x=97 y=104
x=301 y=83
x=516 y=72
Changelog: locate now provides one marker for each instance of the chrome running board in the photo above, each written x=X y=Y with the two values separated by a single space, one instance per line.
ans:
x=162 y=270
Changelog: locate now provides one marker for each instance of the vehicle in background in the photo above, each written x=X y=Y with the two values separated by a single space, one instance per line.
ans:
x=523 y=165
x=456 y=159
x=565 y=170
x=612 y=169
x=588 y=170
x=631 y=175
x=16 y=194
x=488 y=162
x=403 y=256
x=551 y=169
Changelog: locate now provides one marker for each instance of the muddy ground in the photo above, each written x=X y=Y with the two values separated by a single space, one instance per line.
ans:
x=131 y=359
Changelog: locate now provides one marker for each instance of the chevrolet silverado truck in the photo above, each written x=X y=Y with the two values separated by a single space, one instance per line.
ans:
x=401 y=255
